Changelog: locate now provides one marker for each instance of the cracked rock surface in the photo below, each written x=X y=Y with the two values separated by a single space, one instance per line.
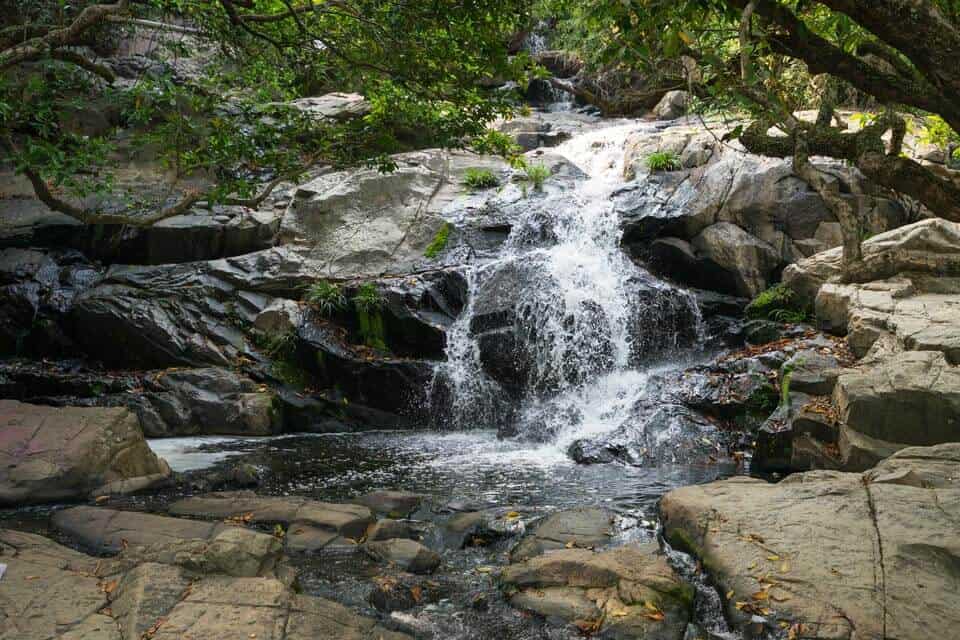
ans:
x=50 y=591
x=844 y=555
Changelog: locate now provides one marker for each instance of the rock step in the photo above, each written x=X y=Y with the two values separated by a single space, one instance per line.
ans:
x=870 y=555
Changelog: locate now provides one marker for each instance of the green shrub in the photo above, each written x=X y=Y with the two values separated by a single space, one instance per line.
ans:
x=778 y=303
x=439 y=242
x=477 y=178
x=537 y=174
x=663 y=161
x=367 y=298
x=326 y=297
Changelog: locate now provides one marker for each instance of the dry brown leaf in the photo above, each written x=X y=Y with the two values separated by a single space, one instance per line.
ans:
x=417 y=592
x=108 y=587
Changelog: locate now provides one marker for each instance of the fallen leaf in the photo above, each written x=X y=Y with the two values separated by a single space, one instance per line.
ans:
x=656 y=617
x=100 y=499
x=417 y=592
x=729 y=594
x=785 y=567
x=760 y=595
x=513 y=514
x=773 y=558
x=108 y=587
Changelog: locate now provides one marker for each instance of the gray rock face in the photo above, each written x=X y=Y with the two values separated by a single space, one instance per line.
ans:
x=672 y=105
x=333 y=106
x=751 y=260
x=629 y=592
x=771 y=207
x=585 y=528
x=925 y=247
x=912 y=398
x=209 y=401
x=50 y=453
x=842 y=554
x=363 y=223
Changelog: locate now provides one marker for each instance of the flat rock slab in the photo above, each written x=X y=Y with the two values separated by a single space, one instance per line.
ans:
x=62 y=453
x=51 y=592
x=629 y=592
x=347 y=520
x=844 y=555
x=586 y=527
x=109 y=530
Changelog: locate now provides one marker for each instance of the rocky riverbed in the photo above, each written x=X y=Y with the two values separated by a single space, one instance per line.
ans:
x=523 y=411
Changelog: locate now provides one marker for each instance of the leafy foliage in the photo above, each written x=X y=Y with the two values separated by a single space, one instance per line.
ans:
x=326 y=297
x=536 y=174
x=477 y=178
x=778 y=303
x=663 y=161
x=368 y=299
x=232 y=128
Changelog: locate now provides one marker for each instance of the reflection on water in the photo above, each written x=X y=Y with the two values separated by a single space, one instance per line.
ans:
x=473 y=465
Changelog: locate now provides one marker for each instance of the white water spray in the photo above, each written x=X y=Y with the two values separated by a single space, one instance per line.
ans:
x=585 y=314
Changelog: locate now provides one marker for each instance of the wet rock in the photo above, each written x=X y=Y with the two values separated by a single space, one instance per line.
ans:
x=279 y=317
x=109 y=530
x=387 y=529
x=400 y=593
x=586 y=528
x=408 y=555
x=758 y=332
x=391 y=504
x=49 y=454
x=346 y=520
x=629 y=592
x=37 y=289
x=816 y=537
x=480 y=528
x=812 y=372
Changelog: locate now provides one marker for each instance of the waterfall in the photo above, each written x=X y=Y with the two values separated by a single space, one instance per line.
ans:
x=556 y=340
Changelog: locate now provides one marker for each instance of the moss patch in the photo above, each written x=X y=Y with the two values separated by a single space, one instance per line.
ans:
x=439 y=242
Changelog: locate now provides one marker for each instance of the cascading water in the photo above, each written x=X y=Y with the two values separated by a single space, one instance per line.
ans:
x=574 y=321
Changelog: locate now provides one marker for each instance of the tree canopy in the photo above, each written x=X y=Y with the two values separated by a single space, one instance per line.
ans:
x=771 y=58
x=423 y=67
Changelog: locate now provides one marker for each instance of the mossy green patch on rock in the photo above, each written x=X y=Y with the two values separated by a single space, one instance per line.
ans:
x=439 y=242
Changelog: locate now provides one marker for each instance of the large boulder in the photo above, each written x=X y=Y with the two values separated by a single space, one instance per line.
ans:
x=109 y=530
x=364 y=223
x=751 y=260
x=64 y=453
x=829 y=554
x=629 y=592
